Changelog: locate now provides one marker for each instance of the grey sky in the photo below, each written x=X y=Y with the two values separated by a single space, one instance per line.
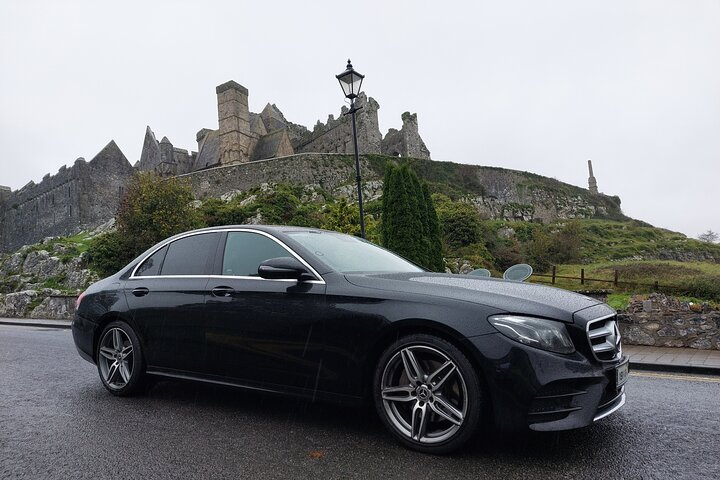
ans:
x=527 y=85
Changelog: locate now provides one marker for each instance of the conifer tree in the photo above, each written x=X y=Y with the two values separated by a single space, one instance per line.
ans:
x=409 y=225
x=435 y=257
x=422 y=242
x=385 y=226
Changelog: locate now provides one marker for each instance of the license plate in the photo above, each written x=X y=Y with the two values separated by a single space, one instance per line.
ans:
x=621 y=373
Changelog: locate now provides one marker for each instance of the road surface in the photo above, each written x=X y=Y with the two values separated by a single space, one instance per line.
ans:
x=57 y=421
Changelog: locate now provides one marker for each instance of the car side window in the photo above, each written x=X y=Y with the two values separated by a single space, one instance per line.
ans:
x=189 y=255
x=245 y=251
x=151 y=266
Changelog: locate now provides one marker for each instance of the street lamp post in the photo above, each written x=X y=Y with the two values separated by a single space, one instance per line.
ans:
x=350 y=82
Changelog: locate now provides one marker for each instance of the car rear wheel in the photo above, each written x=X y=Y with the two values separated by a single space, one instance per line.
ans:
x=427 y=394
x=119 y=359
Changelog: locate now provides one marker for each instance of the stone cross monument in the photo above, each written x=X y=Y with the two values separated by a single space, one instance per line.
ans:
x=592 y=183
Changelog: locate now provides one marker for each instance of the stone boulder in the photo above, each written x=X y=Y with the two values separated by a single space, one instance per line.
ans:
x=40 y=264
x=77 y=275
x=13 y=265
x=458 y=265
x=55 y=308
x=16 y=304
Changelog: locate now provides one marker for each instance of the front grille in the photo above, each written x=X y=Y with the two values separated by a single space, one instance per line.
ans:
x=604 y=337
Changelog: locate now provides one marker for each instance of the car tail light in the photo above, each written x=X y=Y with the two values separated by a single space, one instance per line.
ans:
x=79 y=299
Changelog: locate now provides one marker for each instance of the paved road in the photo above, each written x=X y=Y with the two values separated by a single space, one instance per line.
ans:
x=57 y=421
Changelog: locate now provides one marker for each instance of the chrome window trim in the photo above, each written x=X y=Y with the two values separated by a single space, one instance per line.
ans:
x=318 y=278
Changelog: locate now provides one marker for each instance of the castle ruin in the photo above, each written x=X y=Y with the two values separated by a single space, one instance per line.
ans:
x=88 y=193
x=80 y=197
x=244 y=136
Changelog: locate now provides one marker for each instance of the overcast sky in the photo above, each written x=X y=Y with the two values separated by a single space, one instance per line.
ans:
x=526 y=85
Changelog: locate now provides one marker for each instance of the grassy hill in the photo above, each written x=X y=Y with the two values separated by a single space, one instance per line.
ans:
x=490 y=217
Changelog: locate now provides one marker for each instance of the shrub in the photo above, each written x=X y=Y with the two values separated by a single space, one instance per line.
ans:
x=459 y=222
x=151 y=210
x=706 y=287
x=215 y=212
x=507 y=254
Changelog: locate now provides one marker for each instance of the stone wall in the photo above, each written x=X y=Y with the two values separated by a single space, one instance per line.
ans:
x=663 y=321
x=335 y=136
x=80 y=197
x=329 y=171
x=498 y=193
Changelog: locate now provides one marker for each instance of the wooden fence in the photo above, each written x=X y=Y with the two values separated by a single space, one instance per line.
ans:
x=615 y=281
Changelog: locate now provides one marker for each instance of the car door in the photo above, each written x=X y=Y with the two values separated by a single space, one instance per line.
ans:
x=166 y=295
x=259 y=331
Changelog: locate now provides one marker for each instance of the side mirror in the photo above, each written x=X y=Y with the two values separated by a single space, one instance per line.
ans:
x=282 y=268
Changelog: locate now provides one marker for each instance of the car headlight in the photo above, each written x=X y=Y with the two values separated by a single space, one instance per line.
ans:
x=536 y=332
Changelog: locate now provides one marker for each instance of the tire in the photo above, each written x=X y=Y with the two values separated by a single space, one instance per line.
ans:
x=120 y=359
x=427 y=394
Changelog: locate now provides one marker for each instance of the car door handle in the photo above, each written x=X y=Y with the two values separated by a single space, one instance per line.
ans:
x=140 y=291
x=223 y=291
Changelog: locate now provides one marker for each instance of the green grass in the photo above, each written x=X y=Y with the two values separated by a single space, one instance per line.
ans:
x=616 y=240
x=75 y=245
x=688 y=279
x=81 y=241
x=618 y=301
x=55 y=283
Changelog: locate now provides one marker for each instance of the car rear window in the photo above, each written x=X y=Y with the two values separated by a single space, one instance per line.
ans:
x=152 y=265
x=189 y=255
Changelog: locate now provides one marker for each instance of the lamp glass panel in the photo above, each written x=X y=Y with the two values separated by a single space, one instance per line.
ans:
x=350 y=83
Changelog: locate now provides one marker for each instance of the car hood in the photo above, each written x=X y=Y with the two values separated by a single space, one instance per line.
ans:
x=508 y=296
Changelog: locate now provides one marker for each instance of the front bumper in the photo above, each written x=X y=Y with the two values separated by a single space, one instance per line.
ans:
x=544 y=391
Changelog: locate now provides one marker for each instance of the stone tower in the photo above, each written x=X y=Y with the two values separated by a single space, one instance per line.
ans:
x=592 y=183
x=234 y=120
x=405 y=142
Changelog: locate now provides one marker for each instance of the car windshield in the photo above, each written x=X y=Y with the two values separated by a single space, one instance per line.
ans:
x=346 y=254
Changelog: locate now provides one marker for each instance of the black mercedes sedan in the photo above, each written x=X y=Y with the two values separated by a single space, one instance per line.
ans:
x=327 y=316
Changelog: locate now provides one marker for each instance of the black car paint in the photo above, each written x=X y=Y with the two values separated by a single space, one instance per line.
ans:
x=322 y=339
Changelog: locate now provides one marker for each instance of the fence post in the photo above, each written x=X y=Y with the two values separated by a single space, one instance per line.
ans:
x=582 y=276
x=553 y=274
x=615 y=281
x=657 y=288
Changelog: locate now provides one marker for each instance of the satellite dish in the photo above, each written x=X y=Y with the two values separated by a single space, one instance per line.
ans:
x=518 y=273
x=481 y=272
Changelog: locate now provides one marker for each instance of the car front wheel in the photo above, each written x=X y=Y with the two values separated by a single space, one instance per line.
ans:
x=119 y=359
x=427 y=394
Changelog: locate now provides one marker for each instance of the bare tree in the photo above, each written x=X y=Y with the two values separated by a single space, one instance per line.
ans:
x=708 y=237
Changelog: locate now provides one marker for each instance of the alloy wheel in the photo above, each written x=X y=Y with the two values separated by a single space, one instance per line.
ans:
x=424 y=394
x=116 y=359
